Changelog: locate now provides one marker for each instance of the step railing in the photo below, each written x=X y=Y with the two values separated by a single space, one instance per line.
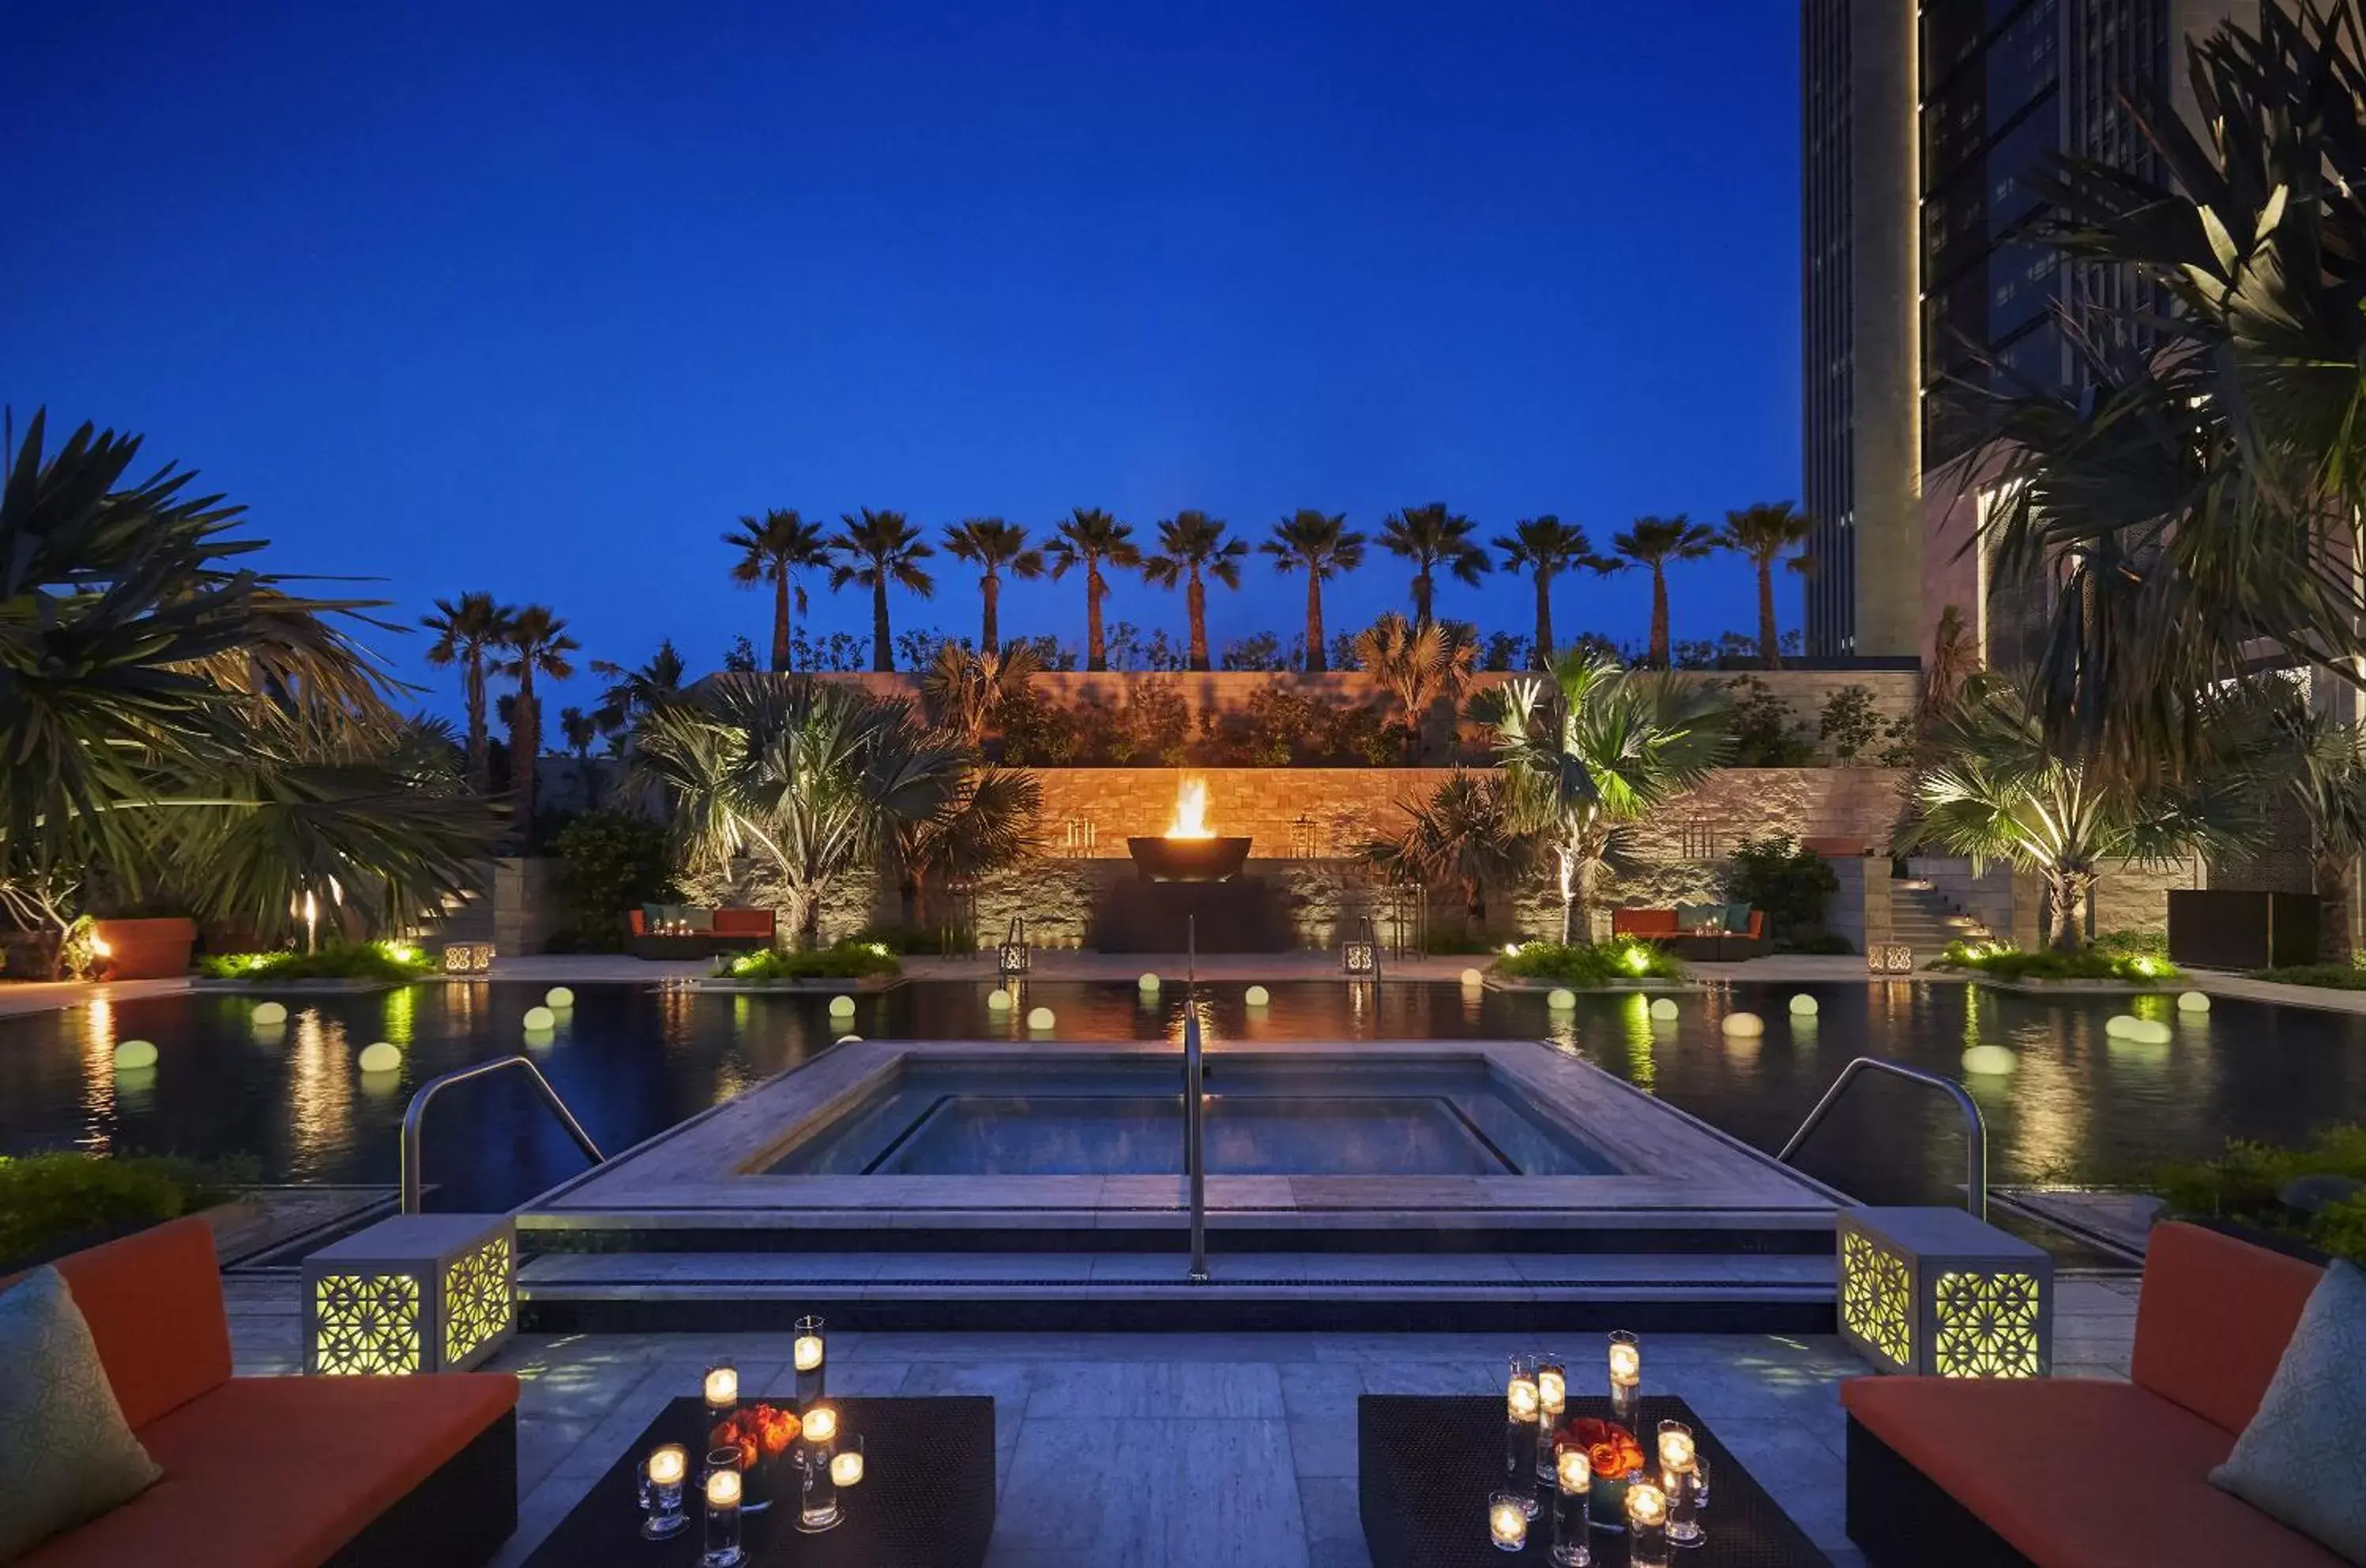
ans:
x=414 y=1116
x=1975 y=1131
x=1195 y=1159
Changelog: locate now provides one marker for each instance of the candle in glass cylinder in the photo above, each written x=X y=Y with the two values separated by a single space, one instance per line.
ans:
x=668 y=1465
x=1625 y=1360
x=1508 y=1522
x=1647 y=1520
x=1572 y=1470
x=846 y=1468
x=808 y=1352
x=1552 y=1388
x=1522 y=1400
x=723 y=1489
x=1675 y=1447
x=722 y=1387
x=821 y=1425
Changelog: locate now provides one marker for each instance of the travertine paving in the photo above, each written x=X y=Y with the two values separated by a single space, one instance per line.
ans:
x=1184 y=1448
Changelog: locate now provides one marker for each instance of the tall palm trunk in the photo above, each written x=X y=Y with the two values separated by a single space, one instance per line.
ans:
x=1422 y=590
x=882 y=654
x=525 y=742
x=779 y=622
x=2066 y=893
x=2335 y=877
x=1540 y=658
x=1317 y=662
x=1659 y=615
x=1195 y=605
x=989 y=589
x=1769 y=651
x=1096 y=651
x=480 y=750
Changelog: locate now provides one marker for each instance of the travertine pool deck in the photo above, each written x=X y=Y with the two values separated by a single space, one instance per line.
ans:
x=711 y=1169
x=1186 y=1450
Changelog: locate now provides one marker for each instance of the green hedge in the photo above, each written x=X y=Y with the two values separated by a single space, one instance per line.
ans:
x=850 y=960
x=51 y=1199
x=2243 y=1184
x=2005 y=963
x=2332 y=976
x=358 y=961
x=1590 y=963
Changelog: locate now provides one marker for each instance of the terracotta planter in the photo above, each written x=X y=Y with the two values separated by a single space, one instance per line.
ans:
x=147 y=950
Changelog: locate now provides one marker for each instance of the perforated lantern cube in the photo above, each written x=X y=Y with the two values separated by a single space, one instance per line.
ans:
x=1888 y=958
x=468 y=957
x=1938 y=1293
x=415 y=1293
x=1360 y=957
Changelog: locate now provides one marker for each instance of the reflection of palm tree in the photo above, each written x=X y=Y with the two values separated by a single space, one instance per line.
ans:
x=990 y=544
x=1088 y=538
x=1544 y=548
x=773 y=548
x=1322 y=546
x=1416 y=665
x=465 y=633
x=876 y=549
x=1430 y=537
x=1765 y=533
x=538 y=645
x=1653 y=542
x=1192 y=544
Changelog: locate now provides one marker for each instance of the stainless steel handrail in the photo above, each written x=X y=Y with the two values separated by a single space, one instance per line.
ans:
x=416 y=1114
x=1194 y=1164
x=1976 y=1130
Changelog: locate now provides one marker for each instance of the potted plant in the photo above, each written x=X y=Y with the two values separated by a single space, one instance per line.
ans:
x=143 y=943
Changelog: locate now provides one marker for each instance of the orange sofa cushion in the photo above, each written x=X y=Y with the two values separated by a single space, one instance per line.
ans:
x=743 y=922
x=2076 y=1474
x=1644 y=922
x=154 y=1302
x=280 y=1473
x=2214 y=1319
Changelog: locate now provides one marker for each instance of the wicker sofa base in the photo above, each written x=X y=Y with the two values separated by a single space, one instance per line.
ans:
x=696 y=944
x=1899 y=1517
x=457 y=1518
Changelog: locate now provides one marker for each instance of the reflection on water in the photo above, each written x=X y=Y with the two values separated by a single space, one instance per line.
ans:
x=635 y=1059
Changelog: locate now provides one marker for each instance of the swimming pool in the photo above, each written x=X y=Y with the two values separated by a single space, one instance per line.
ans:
x=637 y=1059
x=1265 y=1117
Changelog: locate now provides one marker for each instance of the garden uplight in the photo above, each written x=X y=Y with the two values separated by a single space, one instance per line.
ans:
x=1638 y=959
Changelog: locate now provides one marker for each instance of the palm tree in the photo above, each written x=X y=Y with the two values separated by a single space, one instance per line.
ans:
x=1467 y=833
x=1324 y=545
x=1766 y=532
x=1544 y=548
x=992 y=544
x=538 y=645
x=812 y=779
x=1415 y=664
x=985 y=824
x=1590 y=747
x=964 y=691
x=1192 y=544
x=1430 y=537
x=1997 y=791
x=1653 y=542
x=1954 y=660
x=465 y=633
x=581 y=729
x=773 y=548
x=876 y=549
x=1089 y=537
x=2329 y=785
x=632 y=692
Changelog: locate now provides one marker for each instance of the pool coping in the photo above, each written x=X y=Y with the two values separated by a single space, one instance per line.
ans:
x=708 y=1172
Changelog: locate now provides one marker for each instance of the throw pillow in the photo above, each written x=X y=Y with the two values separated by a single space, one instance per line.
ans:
x=2303 y=1457
x=1737 y=918
x=1692 y=917
x=63 y=1446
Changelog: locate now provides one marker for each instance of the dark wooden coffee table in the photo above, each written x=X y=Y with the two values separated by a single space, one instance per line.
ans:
x=926 y=1499
x=1426 y=1466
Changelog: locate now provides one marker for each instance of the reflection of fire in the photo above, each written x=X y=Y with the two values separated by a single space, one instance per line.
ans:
x=1191 y=811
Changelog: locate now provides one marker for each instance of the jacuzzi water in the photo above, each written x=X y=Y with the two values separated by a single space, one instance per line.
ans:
x=1264 y=1118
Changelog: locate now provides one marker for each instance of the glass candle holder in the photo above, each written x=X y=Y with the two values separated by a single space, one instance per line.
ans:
x=1507 y=1521
x=810 y=1353
x=1572 y=1486
x=723 y=1490
x=722 y=1392
x=846 y=1464
x=818 y=1508
x=1552 y=1399
x=1679 y=1460
x=1626 y=1377
x=1523 y=1410
x=662 y=1475
x=1647 y=1526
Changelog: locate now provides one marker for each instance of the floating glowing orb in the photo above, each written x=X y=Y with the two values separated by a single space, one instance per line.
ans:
x=1472 y=980
x=841 y=1007
x=1803 y=1006
x=1743 y=1023
x=134 y=1054
x=1664 y=1011
x=539 y=1019
x=2150 y=1031
x=558 y=998
x=2193 y=1001
x=850 y=1040
x=998 y=1000
x=1040 y=1018
x=1560 y=998
x=1148 y=983
x=1990 y=1061
x=380 y=1056
x=269 y=1013
x=2120 y=1025
x=1257 y=996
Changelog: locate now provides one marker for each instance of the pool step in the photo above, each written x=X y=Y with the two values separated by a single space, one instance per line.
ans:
x=700 y=1291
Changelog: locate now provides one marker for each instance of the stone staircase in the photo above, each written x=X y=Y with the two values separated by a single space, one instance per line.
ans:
x=1924 y=920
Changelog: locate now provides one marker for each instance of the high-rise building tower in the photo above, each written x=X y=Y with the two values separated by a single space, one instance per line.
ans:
x=1923 y=127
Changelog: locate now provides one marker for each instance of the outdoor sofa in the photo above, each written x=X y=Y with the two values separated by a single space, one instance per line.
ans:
x=711 y=931
x=284 y=1472
x=2076 y=1473
x=1666 y=928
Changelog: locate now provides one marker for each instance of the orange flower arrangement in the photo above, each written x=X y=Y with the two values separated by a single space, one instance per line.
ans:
x=756 y=1430
x=1609 y=1448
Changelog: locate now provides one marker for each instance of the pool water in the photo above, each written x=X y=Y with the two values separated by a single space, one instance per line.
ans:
x=635 y=1059
x=1264 y=1118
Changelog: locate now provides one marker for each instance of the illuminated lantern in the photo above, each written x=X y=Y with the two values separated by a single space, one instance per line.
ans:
x=1937 y=1293
x=415 y=1293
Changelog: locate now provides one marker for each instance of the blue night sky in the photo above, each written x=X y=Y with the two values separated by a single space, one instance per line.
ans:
x=538 y=299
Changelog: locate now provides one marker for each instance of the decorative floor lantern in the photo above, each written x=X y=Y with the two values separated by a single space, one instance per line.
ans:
x=1888 y=958
x=1938 y=1293
x=468 y=957
x=1014 y=958
x=415 y=1293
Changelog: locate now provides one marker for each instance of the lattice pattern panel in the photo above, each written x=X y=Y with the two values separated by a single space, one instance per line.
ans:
x=1985 y=1326
x=1877 y=1297
x=367 y=1324
x=475 y=1299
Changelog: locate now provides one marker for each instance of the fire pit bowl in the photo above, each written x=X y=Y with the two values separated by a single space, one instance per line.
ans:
x=1188 y=860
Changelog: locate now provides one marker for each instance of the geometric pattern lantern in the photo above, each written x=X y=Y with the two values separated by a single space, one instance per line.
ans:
x=1938 y=1293
x=1014 y=958
x=412 y=1293
x=468 y=957
x=1888 y=958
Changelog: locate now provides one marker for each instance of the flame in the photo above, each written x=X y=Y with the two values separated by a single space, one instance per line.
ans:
x=1191 y=811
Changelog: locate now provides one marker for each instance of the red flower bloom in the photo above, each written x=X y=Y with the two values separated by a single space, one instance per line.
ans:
x=1609 y=1448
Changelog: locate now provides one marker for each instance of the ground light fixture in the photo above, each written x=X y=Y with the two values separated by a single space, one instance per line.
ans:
x=1934 y=1292
x=412 y=1293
